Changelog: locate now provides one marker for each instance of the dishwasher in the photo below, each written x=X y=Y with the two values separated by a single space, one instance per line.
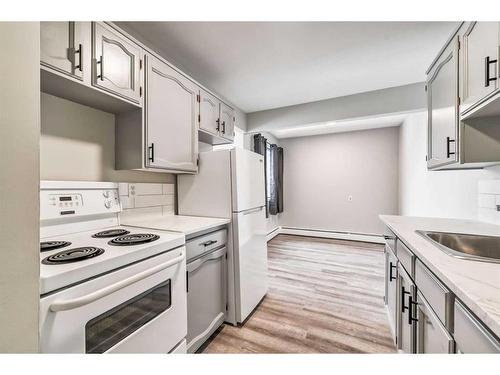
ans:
x=206 y=286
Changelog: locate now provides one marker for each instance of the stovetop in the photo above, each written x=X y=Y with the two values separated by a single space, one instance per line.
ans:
x=80 y=256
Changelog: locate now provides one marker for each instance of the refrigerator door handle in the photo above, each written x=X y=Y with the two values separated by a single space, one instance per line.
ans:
x=252 y=210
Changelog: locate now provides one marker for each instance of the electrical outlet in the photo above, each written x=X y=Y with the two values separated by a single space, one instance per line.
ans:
x=349 y=198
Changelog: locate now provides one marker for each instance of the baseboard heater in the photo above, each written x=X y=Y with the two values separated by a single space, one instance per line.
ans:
x=320 y=233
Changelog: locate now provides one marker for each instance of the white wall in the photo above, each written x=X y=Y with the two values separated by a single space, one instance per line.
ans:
x=19 y=186
x=320 y=172
x=450 y=194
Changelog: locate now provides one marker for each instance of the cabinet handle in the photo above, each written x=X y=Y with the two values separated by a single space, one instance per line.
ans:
x=448 y=152
x=403 y=294
x=411 y=303
x=151 y=157
x=487 y=63
x=80 y=59
x=391 y=266
x=101 y=62
x=223 y=127
x=218 y=124
x=208 y=243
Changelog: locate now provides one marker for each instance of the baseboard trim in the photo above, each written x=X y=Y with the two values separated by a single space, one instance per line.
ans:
x=273 y=233
x=372 y=238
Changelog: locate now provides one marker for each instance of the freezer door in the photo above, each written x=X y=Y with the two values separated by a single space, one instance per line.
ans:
x=248 y=179
x=207 y=193
x=250 y=257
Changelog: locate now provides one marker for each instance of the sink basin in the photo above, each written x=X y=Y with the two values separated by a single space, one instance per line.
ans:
x=466 y=246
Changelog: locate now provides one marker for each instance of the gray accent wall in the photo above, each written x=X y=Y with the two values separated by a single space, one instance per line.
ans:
x=19 y=186
x=406 y=98
x=321 y=172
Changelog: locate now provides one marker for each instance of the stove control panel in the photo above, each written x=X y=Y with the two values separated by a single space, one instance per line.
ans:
x=66 y=203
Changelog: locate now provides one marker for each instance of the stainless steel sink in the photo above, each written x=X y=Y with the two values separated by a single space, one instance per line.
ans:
x=466 y=246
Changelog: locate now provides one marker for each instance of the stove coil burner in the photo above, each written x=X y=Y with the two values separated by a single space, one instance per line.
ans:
x=53 y=245
x=111 y=233
x=73 y=255
x=133 y=239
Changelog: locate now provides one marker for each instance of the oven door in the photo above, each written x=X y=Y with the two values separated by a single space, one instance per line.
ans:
x=137 y=309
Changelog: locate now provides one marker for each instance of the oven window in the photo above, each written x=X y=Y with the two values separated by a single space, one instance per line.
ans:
x=108 y=329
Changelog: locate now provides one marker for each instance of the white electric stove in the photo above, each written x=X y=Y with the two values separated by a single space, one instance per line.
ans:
x=106 y=287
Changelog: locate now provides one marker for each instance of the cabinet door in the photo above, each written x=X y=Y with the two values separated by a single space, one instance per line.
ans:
x=391 y=290
x=171 y=115
x=62 y=46
x=480 y=56
x=209 y=113
x=442 y=103
x=406 y=314
x=432 y=336
x=116 y=63
x=226 y=122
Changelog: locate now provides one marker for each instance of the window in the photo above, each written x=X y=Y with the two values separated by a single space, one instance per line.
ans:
x=268 y=175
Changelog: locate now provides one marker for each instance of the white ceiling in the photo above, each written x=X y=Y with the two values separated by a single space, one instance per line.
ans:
x=263 y=65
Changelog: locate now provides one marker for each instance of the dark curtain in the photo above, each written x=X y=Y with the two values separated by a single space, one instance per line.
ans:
x=259 y=146
x=273 y=183
x=280 y=179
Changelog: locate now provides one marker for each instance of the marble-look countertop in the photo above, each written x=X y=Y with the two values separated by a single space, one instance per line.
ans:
x=476 y=284
x=189 y=225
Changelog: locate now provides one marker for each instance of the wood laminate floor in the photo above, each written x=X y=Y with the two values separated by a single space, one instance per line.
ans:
x=325 y=296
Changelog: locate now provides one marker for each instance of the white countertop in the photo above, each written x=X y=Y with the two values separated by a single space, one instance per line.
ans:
x=188 y=225
x=476 y=284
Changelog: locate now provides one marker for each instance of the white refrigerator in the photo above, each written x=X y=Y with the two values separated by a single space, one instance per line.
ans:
x=230 y=184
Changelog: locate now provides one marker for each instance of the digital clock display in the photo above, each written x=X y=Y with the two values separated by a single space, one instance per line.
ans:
x=64 y=199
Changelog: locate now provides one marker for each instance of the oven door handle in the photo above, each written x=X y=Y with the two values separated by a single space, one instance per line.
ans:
x=91 y=297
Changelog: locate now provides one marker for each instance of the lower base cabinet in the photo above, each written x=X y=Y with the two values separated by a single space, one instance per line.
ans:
x=432 y=336
x=406 y=315
x=470 y=335
x=391 y=271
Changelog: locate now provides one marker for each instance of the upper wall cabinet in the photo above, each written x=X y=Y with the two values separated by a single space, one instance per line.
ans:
x=226 y=122
x=62 y=47
x=442 y=99
x=216 y=121
x=463 y=100
x=116 y=63
x=480 y=62
x=171 y=118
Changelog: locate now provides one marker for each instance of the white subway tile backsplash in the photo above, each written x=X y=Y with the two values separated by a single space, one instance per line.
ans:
x=487 y=201
x=168 y=189
x=148 y=189
x=152 y=200
x=142 y=200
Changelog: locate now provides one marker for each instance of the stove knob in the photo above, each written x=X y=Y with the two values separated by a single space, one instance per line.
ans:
x=107 y=204
x=105 y=193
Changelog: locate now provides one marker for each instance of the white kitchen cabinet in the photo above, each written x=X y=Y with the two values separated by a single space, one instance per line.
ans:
x=480 y=49
x=470 y=334
x=226 y=122
x=64 y=47
x=432 y=336
x=171 y=118
x=391 y=290
x=442 y=104
x=406 y=312
x=209 y=113
x=216 y=121
x=116 y=63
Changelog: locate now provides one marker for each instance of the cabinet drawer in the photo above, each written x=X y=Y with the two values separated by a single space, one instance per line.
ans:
x=432 y=336
x=200 y=245
x=438 y=296
x=470 y=334
x=405 y=257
